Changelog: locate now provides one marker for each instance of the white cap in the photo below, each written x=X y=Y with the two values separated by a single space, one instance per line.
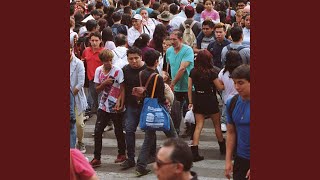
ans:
x=87 y=19
x=184 y=2
x=137 y=17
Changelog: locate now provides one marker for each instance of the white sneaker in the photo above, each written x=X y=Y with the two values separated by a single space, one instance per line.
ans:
x=223 y=127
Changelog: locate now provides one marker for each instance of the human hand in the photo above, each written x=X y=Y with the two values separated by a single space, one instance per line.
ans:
x=228 y=170
x=190 y=106
x=172 y=87
x=108 y=81
x=248 y=175
x=75 y=91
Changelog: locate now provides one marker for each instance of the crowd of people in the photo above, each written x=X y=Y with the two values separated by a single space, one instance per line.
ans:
x=196 y=52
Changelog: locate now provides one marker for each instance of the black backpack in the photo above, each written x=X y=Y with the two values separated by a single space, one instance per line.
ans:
x=233 y=104
x=83 y=42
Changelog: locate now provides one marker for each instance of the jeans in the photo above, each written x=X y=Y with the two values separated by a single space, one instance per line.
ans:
x=73 y=132
x=94 y=96
x=223 y=114
x=132 y=117
x=150 y=141
x=182 y=97
x=102 y=120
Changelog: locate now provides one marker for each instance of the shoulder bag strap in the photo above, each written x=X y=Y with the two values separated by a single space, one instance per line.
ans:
x=140 y=78
x=154 y=85
x=147 y=83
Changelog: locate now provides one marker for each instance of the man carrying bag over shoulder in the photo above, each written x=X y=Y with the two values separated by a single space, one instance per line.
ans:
x=155 y=90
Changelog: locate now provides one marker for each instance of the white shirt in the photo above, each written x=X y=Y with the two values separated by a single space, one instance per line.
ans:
x=176 y=21
x=120 y=56
x=82 y=30
x=229 y=89
x=133 y=34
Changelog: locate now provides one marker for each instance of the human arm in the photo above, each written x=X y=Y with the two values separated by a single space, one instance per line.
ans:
x=219 y=84
x=130 y=38
x=182 y=69
x=120 y=101
x=190 y=93
x=248 y=174
x=231 y=139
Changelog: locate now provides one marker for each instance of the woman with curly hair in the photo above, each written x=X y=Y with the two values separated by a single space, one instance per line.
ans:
x=203 y=100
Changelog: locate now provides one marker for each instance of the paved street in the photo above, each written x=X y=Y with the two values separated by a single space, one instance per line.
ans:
x=212 y=168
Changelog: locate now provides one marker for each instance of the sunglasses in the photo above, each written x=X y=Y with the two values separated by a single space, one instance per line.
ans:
x=161 y=163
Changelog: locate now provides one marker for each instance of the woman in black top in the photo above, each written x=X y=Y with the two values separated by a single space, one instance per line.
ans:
x=204 y=100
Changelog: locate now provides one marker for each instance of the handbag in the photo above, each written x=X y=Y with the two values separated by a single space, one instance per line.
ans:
x=153 y=115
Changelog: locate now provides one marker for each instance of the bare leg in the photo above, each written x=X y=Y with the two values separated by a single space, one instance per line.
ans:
x=199 y=126
x=217 y=126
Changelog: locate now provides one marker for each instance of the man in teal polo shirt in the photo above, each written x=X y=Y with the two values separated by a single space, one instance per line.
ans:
x=181 y=60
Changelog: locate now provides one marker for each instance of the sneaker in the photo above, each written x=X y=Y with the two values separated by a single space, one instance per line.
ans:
x=108 y=128
x=128 y=164
x=81 y=147
x=95 y=163
x=141 y=171
x=120 y=158
x=223 y=128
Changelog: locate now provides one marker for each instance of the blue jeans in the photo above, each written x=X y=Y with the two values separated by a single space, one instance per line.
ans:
x=132 y=118
x=223 y=114
x=73 y=134
x=150 y=141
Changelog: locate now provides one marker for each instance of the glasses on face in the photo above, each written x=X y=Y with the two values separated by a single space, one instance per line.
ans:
x=161 y=163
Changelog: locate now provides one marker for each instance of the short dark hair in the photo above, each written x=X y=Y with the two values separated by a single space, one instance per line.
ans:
x=91 y=24
x=90 y=7
x=199 y=8
x=96 y=34
x=120 y=39
x=134 y=50
x=236 y=33
x=116 y=16
x=178 y=33
x=208 y=23
x=241 y=72
x=99 y=5
x=146 y=2
x=173 y=8
x=150 y=57
x=95 y=12
x=181 y=152
x=125 y=2
x=233 y=60
x=127 y=9
x=156 y=5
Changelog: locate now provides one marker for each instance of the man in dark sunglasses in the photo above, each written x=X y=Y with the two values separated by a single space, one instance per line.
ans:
x=174 y=161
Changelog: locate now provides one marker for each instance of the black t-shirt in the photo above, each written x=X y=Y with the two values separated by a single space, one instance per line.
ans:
x=203 y=81
x=159 y=91
x=131 y=80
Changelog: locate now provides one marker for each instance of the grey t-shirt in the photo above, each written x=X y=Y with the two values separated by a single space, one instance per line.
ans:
x=244 y=53
x=206 y=41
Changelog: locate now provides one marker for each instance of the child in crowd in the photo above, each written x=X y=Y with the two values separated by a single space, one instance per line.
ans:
x=209 y=12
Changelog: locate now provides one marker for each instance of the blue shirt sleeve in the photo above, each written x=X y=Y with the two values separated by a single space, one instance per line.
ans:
x=188 y=55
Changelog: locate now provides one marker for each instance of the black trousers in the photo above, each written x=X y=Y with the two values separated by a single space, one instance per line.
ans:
x=240 y=168
x=103 y=118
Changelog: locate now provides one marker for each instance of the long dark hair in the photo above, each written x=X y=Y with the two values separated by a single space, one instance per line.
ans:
x=203 y=63
x=159 y=34
x=233 y=60
x=142 y=41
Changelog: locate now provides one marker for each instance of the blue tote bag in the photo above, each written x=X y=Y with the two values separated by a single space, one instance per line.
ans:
x=153 y=115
